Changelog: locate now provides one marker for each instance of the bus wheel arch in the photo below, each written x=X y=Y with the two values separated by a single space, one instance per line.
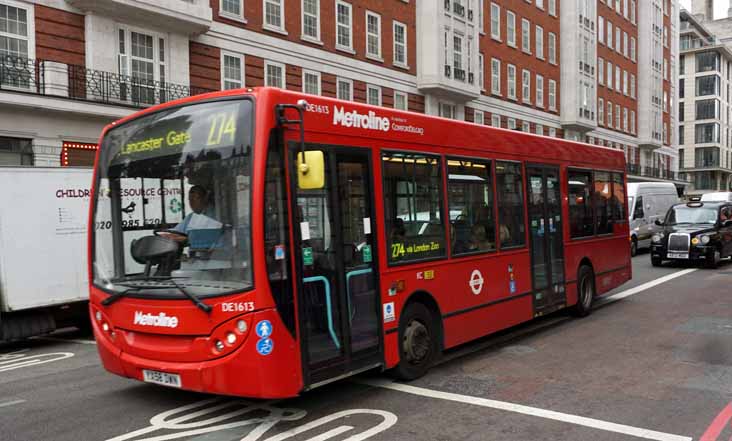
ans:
x=420 y=336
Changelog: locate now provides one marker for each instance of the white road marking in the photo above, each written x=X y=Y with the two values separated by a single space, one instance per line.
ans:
x=11 y=403
x=32 y=360
x=532 y=411
x=647 y=285
x=70 y=340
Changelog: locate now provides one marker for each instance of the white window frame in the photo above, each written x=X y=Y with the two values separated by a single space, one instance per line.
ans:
x=539 y=84
x=29 y=38
x=552 y=132
x=495 y=76
x=526 y=86
x=552 y=48
x=511 y=123
x=481 y=71
x=601 y=71
x=510 y=28
x=511 y=90
x=495 y=120
x=632 y=11
x=340 y=81
x=609 y=72
x=128 y=30
x=231 y=15
x=369 y=88
x=601 y=29
x=539 y=43
x=600 y=111
x=618 y=117
x=553 y=8
x=475 y=117
x=270 y=27
x=284 y=73
x=609 y=35
x=303 y=36
x=495 y=15
x=625 y=82
x=406 y=100
x=632 y=86
x=316 y=74
x=481 y=25
x=373 y=56
x=339 y=46
x=396 y=62
x=552 y=95
x=632 y=122
x=526 y=35
x=609 y=115
x=632 y=49
x=618 y=80
x=241 y=80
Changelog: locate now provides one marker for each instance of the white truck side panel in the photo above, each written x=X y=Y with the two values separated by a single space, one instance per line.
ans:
x=43 y=236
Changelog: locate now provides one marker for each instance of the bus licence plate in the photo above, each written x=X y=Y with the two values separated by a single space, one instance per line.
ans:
x=678 y=255
x=162 y=378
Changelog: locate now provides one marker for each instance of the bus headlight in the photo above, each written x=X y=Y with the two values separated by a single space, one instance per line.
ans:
x=231 y=338
x=704 y=240
x=219 y=345
x=657 y=238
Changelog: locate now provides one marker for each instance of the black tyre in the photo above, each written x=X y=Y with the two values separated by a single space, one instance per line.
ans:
x=418 y=342
x=585 y=291
x=656 y=261
x=633 y=247
x=712 y=261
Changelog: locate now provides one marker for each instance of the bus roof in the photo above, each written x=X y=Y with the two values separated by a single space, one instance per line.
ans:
x=364 y=123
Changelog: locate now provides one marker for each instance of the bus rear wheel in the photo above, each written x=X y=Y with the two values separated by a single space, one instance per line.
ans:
x=418 y=344
x=585 y=291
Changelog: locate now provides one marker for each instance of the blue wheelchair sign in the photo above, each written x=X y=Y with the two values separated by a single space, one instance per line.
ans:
x=265 y=346
x=264 y=329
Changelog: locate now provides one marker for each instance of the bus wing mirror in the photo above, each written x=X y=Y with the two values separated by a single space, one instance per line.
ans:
x=659 y=223
x=310 y=170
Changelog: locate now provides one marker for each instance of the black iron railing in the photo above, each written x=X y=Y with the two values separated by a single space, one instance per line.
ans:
x=79 y=83
x=654 y=172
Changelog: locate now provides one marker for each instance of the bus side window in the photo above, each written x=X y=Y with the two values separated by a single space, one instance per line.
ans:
x=580 y=204
x=510 y=191
x=470 y=198
x=413 y=206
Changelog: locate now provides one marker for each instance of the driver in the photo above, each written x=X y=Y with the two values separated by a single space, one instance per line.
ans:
x=201 y=215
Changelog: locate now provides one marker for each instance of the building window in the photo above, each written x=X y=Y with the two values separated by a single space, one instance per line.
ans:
x=232 y=8
x=311 y=19
x=539 y=91
x=373 y=95
x=232 y=71
x=478 y=117
x=457 y=54
x=707 y=85
x=343 y=26
x=141 y=57
x=539 y=34
x=495 y=76
x=601 y=111
x=609 y=35
x=400 y=100
x=400 y=44
x=632 y=122
x=601 y=29
x=609 y=78
x=609 y=116
x=495 y=21
x=373 y=35
x=552 y=48
x=481 y=72
x=526 y=86
x=311 y=82
x=625 y=119
x=632 y=86
x=618 y=84
x=345 y=89
x=553 y=8
x=526 y=35
x=525 y=127
x=707 y=61
x=511 y=28
x=447 y=110
x=632 y=48
x=15 y=151
x=511 y=123
x=706 y=133
x=539 y=130
x=600 y=71
x=275 y=74
x=14 y=39
x=552 y=95
x=707 y=109
x=511 y=81
x=617 y=116
x=632 y=11
x=625 y=82
x=496 y=120
x=273 y=14
x=481 y=27
x=552 y=132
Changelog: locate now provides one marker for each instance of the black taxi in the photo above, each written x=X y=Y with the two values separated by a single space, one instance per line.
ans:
x=694 y=231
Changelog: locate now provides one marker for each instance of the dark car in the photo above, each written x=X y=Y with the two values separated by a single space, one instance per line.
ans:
x=695 y=231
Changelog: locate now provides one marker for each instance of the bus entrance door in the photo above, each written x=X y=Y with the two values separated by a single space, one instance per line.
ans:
x=547 y=251
x=337 y=269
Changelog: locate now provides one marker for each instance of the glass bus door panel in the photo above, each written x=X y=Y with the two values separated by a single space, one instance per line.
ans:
x=545 y=226
x=338 y=294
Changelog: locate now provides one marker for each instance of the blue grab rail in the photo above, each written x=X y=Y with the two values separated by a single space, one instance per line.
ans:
x=329 y=308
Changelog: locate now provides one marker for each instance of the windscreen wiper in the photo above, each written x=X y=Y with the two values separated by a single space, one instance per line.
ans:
x=192 y=297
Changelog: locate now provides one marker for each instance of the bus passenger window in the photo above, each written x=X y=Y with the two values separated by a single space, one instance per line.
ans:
x=618 y=200
x=509 y=188
x=470 y=196
x=580 y=204
x=602 y=194
x=413 y=206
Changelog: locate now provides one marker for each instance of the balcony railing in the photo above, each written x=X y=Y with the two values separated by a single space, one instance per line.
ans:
x=458 y=9
x=77 y=82
x=460 y=74
x=448 y=71
x=654 y=172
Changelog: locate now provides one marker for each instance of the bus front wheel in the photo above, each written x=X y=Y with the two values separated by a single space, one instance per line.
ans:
x=418 y=344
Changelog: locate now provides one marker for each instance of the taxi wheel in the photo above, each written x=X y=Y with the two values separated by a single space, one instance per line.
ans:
x=585 y=292
x=418 y=344
x=712 y=261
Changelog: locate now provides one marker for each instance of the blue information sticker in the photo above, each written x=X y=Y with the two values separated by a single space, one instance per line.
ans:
x=265 y=346
x=264 y=329
x=512 y=286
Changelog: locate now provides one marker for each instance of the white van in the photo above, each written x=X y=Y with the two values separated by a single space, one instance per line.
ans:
x=717 y=196
x=648 y=201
